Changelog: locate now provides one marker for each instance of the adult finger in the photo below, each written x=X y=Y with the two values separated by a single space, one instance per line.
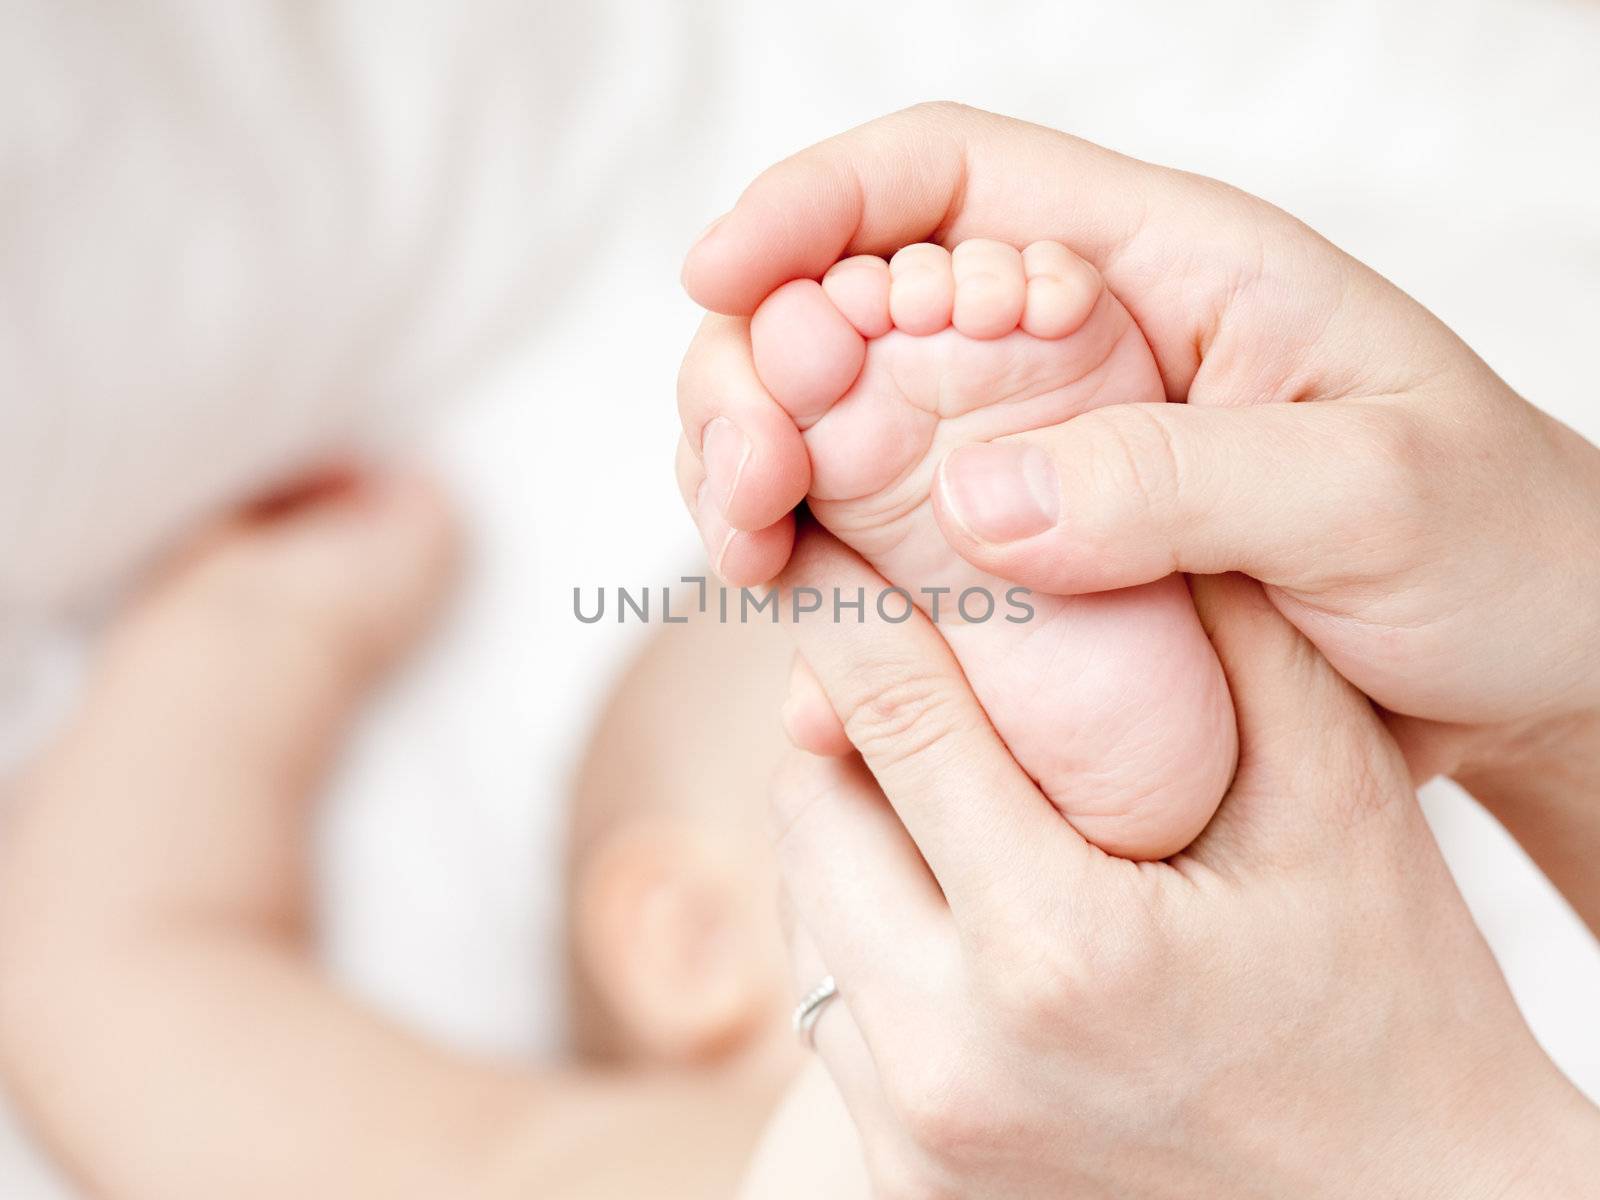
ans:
x=1314 y=757
x=934 y=169
x=977 y=818
x=1123 y=495
x=740 y=557
x=753 y=460
x=808 y=717
x=835 y=1033
x=857 y=882
x=818 y=1138
x=945 y=173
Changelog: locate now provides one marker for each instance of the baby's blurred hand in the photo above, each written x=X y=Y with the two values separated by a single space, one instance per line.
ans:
x=345 y=570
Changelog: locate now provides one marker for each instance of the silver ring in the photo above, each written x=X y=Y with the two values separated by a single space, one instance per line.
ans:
x=809 y=1011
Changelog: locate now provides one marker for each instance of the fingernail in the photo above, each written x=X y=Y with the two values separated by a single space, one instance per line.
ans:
x=1001 y=492
x=724 y=449
x=700 y=240
x=715 y=531
x=709 y=230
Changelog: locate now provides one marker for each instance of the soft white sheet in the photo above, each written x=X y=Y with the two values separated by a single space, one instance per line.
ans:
x=423 y=184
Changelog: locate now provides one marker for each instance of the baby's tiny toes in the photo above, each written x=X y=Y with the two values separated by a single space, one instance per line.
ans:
x=1062 y=290
x=990 y=288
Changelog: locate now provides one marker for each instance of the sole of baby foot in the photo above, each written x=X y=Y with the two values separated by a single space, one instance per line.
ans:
x=1115 y=704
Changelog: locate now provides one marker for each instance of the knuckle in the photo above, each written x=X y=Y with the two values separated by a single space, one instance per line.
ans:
x=1370 y=787
x=1137 y=471
x=1411 y=462
x=1035 y=997
x=943 y=1119
x=904 y=715
x=1370 y=779
x=1144 y=448
x=1049 y=989
x=943 y=1101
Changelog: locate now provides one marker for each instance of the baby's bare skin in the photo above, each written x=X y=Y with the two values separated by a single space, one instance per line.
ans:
x=1114 y=703
x=164 y=1023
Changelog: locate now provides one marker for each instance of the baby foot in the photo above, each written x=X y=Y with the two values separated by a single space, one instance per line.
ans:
x=1114 y=703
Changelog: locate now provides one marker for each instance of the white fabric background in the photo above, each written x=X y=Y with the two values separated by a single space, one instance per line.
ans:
x=233 y=234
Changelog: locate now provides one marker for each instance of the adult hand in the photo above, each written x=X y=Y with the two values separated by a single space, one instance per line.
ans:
x=1298 y=1005
x=1435 y=536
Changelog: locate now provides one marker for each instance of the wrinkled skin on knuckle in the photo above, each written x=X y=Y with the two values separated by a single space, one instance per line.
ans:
x=1367 y=774
x=1155 y=468
x=1137 y=476
x=1340 y=751
x=904 y=715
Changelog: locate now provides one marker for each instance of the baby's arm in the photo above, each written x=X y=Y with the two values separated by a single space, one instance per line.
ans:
x=163 y=1022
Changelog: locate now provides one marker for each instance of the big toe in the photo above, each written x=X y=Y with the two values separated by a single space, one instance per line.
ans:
x=806 y=353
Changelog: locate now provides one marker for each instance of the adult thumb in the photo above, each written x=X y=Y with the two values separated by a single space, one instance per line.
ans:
x=1131 y=493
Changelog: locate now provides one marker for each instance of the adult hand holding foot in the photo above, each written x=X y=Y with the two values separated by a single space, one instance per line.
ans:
x=1435 y=536
x=1021 y=1015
